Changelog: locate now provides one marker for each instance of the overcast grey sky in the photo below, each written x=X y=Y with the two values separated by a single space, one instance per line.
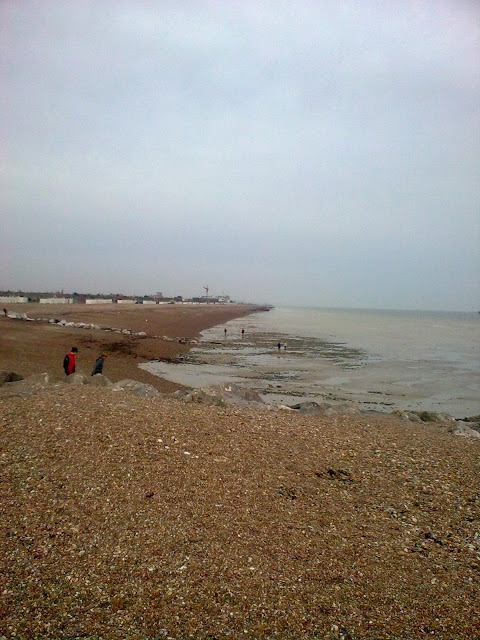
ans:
x=319 y=153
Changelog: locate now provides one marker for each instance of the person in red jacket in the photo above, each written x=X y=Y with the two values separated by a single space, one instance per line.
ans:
x=69 y=361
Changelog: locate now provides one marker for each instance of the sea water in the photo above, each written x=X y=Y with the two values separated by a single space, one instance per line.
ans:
x=381 y=360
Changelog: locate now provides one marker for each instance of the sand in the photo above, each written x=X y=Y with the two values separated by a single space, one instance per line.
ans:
x=29 y=347
x=148 y=518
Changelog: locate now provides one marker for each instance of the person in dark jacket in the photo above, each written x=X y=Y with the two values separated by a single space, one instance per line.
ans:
x=69 y=362
x=98 y=366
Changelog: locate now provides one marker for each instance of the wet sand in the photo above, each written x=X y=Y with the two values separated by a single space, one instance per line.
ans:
x=37 y=347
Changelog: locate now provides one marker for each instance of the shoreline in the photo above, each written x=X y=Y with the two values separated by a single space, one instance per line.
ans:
x=35 y=338
x=149 y=517
x=39 y=347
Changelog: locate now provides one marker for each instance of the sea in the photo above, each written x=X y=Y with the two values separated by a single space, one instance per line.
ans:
x=377 y=359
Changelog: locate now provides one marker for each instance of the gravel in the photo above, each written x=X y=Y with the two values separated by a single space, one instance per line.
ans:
x=146 y=518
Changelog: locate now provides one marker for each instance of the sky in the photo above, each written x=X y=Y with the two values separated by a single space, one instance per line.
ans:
x=318 y=153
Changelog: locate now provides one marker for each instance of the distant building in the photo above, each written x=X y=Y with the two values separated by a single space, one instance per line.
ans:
x=98 y=301
x=13 y=299
x=56 y=300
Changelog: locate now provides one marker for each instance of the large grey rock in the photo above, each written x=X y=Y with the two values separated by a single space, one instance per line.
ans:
x=139 y=389
x=343 y=409
x=77 y=378
x=99 y=380
x=221 y=395
x=312 y=408
x=462 y=428
x=27 y=386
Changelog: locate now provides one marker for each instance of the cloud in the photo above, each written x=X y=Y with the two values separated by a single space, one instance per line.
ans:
x=255 y=144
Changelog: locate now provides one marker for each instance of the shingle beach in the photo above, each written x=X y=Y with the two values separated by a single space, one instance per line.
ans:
x=149 y=518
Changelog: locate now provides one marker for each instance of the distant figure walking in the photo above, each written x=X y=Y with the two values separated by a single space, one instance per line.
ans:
x=98 y=366
x=243 y=332
x=279 y=345
x=225 y=331
x=5 y=312
x=69 y=362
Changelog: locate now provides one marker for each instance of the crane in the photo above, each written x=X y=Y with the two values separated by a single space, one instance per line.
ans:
x=206 y=291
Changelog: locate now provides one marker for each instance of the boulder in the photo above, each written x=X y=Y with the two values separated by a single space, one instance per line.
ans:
x=463 y=428
x=139 y=389
x=27 y=386
x=343 y=409
x=77 y=378
x=408 y=416
x=221 y=395
x=312 y=408
x=99 y=380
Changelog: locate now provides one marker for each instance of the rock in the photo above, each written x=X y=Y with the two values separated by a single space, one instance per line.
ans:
x=221 y=395
x=9 y=376
x=463 y=428
x=77 y=378
x=342 y=409
x=27 y=386
x=139 y=389
x=141 y=334
x=407 y=416
x=99 y=380
x=312 y=408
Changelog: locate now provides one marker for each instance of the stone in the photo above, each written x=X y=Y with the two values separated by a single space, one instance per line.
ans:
x=465 y=429
x=221 y=395
x=99 y=380
x=311 y=408
x=139 y=389
x=408 y=416
x=9 y=376
x=77 y=378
